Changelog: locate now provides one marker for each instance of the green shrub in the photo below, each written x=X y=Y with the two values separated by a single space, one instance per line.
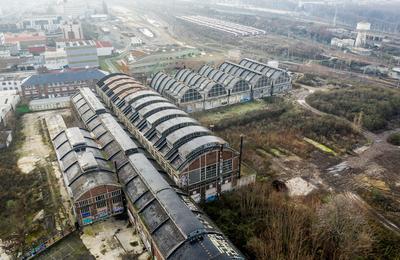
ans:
x=23 y=109
x=394 y=139
x=378 y=107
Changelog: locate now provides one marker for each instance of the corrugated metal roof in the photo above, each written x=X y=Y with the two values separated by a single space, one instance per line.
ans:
x=84 y=168
x=178 y=228
x=204 y=142
x=66 y=76
x=115 y=129
x=94 y=102
x=185 y=131
x=152 y=114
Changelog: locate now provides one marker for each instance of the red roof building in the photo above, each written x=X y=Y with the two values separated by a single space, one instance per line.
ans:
x=25 y=40
x=37 y=49
x=104 y=48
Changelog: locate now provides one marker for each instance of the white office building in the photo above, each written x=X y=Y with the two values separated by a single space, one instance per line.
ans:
x=72 y=30
x=82 y=54
x=55 y=59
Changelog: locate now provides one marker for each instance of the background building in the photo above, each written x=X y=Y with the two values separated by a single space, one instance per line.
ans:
x=8 y=49
x=395 y=73
x=13 y=80
x=74 y=8
x=342 y=43
x=55 y=59
x=49 y=24
x=231 y=83
x=49 y=103
x=104 y=48
x=72 y=30
x=362 y=30
x=8 y=103
x=23 y=40
x=59 y=83
x=82 y=54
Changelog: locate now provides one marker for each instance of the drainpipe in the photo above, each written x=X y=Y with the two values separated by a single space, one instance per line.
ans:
x=240 y=155
x=220 y=169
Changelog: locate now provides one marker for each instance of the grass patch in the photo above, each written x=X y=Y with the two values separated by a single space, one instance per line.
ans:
x=229 y=112
x=103 y=63
x=89 y=231
x=321 y=147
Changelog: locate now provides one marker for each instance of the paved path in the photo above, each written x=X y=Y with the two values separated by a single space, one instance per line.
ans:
x=111 y=66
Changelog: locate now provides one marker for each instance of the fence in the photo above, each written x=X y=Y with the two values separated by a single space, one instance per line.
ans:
x=48 y=243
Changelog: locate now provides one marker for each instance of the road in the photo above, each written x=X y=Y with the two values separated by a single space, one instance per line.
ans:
x=111 y=66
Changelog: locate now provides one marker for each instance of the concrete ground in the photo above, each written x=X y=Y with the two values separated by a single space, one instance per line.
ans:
x=34 y=150
x=112 y=239
x=3 y=254
x=299 y=187
x=68 y=248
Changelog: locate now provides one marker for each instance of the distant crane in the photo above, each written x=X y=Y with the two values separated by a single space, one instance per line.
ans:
x=335 y=17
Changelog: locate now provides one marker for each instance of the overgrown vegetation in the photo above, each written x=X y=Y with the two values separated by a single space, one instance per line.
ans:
x=377 y=108
x=22 y=198
x=266 y=224
x=311 y=80
x=394 y=139
x=278 y=128
x=23 y=109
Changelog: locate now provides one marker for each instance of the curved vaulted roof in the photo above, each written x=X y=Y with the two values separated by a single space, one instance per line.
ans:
x=154 y=116
x=178 y=227
x=82 y=162
x=202 y=84
x=252 y=76
x=168 y=86
x=233 y=83
x=268 y=71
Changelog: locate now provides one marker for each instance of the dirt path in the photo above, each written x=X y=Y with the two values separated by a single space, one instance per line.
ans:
x=342 y=176
x=375 y=214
